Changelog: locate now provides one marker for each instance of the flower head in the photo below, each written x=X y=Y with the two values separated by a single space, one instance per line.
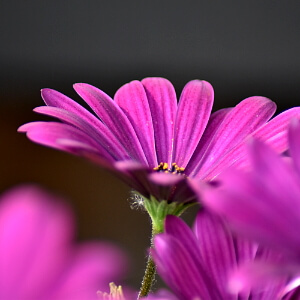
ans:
x=264 y=205
x=38 y=259
x=150 y=141
x=197 y=264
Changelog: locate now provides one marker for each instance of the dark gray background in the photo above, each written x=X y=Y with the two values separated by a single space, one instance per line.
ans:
x=243 y=48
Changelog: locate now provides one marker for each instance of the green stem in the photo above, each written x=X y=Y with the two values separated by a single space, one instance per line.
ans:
x=150 y=271
x=148 y=278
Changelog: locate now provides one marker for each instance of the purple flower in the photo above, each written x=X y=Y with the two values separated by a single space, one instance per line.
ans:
x=38 y=259
x=145 y=137
x=264 y=205
x=196 y=264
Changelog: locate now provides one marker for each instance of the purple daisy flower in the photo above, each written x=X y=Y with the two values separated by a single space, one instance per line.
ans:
x=196 y=264
x=145 y=137
x=263 y=204
x=38 y=259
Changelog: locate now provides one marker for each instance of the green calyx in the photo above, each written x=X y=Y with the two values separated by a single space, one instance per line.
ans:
x=158 y=210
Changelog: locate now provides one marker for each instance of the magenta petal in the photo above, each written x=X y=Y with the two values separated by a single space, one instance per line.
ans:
x=275 y=131
x=161 y=295
x=165 y=179
x=49 y=134
x=265 y=173
x=76 y=115
x=133 y=100
x=242 y=120
x=163 y=104
x=214 y=123
x=136 y=175
x=37 y=257
x=241 y=201
x=34 y=237
x=294 y=143
x=217 y=247
x=173 y=188
x=114 y=118
x=129 y=165
x=56 y=99
x=260 y=276
x=180 y=230
x=145 y=125
x=192 y=116
x=100 y=134
x=90 y=262
x=199 y=265
x=173 y=260
x=184 y=192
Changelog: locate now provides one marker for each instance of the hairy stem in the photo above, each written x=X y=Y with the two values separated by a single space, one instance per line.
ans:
x=150 y=271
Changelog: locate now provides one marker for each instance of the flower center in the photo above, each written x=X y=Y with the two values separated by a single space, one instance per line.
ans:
x=164 y=167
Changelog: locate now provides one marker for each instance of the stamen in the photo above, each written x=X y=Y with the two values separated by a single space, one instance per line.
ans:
x=116 y=293
x=164 y=167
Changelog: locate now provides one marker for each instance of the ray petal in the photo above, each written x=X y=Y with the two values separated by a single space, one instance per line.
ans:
x=216 y=245
x=242 y=120
x=294 y=143
x=50 y=133
x=192 y=116
x=100 y=134
x=132 y=98
x=163 y=104
x=214 y=122
x=114 y=118
x=274 y=133
x=173 y=260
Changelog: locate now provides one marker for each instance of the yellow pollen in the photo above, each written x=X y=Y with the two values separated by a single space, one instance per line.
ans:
x=164 y=167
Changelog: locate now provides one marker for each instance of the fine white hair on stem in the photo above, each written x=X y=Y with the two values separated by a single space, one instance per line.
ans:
x=136 y=201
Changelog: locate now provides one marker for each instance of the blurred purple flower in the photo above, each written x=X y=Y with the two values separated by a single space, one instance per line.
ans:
x=196 y=264
x=144 y=136
x=264 y=205
x=38 y=259
x=161 y=295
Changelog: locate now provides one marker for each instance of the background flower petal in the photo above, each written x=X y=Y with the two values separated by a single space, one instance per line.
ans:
x=34 y=236
x=253 y=205
x=217 y=248
x=180 y=271
x=294 y=143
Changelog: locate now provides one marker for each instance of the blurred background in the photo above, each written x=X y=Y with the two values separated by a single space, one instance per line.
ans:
x=242 y=48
